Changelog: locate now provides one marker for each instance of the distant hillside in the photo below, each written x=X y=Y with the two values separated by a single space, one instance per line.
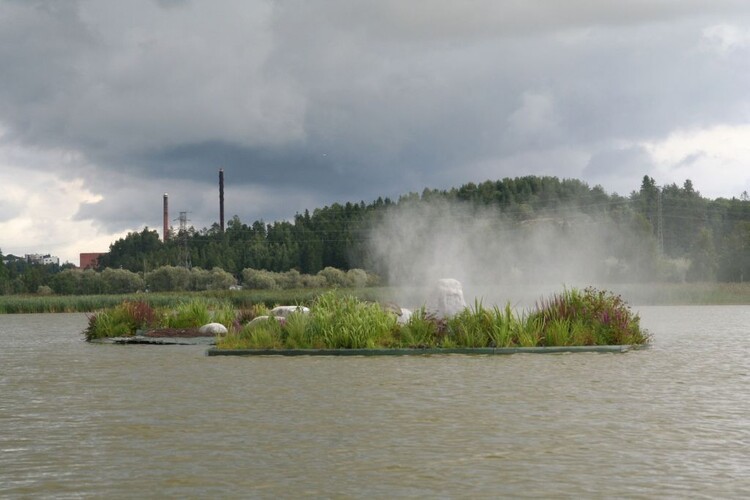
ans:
x=710 y=239
x=524 y=229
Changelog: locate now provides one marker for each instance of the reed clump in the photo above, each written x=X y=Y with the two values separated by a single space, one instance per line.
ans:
x=588 y=317
x=122 y=320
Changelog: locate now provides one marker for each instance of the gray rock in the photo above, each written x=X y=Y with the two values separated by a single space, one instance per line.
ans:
x=259 y=319
x=213 y=329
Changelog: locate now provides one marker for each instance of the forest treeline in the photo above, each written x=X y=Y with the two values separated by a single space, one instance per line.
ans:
x=673 y=233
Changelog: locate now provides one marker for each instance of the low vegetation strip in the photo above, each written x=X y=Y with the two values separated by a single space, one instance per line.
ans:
x=240 y=299
x=419 y=352
x=659 y=294
x=574 y=317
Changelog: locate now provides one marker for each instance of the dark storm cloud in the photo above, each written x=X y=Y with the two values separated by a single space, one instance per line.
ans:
x=339 y=100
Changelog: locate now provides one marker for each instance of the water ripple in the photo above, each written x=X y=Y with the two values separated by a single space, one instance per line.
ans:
x=83 y=420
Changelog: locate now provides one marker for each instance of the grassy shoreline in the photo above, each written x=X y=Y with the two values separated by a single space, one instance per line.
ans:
x=636 y=295
x=24 y=304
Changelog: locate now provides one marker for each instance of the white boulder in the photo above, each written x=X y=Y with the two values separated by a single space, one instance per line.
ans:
x=262 y=319
x=446 y=299
x=404 y=317
x=285 y=311
x=213 y=329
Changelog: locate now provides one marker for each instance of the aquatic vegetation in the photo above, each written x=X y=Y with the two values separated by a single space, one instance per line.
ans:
x=188 y=314
x=122 y=320
x=421 y=330
x=128 y=317
x=297 y=331
x=588 y=317
x=339 y=321
x=263 y=335
x=591 y=316
x=347 y=322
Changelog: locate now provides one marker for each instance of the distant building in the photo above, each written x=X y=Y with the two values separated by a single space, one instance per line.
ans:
x=37 y=258
x=90 y=260
x=10 y=258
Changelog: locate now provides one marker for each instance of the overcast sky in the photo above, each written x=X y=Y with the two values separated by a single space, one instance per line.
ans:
x=105 y=105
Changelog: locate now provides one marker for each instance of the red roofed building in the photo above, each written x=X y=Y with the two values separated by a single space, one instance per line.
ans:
x=90 y=260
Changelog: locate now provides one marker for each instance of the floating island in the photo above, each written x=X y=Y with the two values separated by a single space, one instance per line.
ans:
x=571 y=321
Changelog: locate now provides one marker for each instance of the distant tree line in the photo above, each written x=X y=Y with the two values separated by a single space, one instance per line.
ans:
x=74 y=281
x=672 y=232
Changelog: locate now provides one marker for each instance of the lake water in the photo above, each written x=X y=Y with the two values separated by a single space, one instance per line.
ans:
x=82 y=420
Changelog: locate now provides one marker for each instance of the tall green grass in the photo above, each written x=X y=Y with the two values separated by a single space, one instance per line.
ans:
x=346 y=322
x=130 y=316
x=122 y=320
x=588 y=317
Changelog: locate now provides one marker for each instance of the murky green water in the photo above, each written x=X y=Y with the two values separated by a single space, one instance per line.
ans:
x=80 y=420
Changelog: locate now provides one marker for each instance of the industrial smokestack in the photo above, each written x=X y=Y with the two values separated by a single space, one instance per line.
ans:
x=166 y=218
x=221 y=199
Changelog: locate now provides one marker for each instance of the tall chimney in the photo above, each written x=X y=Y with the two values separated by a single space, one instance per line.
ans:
x=166 y=218
x=221 y=199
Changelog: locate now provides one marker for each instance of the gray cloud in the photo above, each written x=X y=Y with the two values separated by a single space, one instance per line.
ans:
x=335 y=100
x=621 y=168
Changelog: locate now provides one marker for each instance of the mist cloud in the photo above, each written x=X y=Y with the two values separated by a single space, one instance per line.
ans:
x=417 y=244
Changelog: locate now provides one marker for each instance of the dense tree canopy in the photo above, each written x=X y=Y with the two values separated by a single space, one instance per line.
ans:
x=671 y=232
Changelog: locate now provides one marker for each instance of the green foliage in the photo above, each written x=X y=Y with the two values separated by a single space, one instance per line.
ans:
x=339 y=321
x=334 y=277
x=215 y=279
x=346 y=322
x=421 y=330
x=567 y=315
x=168 y=279
x=357 y=278
x=588 y=317
x=121 y=281
x=501 y=326
x=122 y=320
x=262 y=335
x=189 y=314
x=471 y=327
x=314 y=281
x=712 y=236
x=225 y=314
x=297 y=331
x=575 y=317
x=289 y=280
x=258 y=279
x=136 y=252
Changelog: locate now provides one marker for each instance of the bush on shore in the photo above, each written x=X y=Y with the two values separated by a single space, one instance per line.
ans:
x=330 y=277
